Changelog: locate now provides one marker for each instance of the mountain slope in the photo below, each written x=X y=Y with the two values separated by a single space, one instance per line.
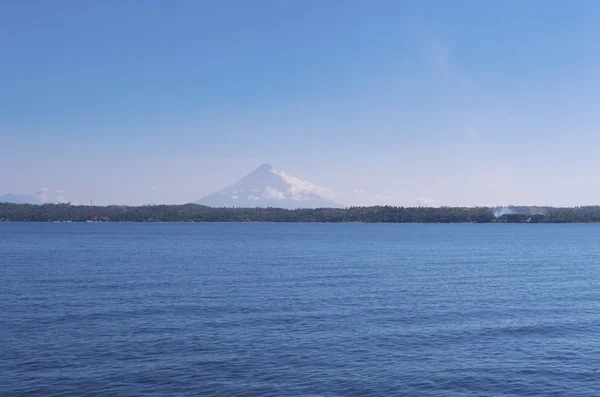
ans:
x=267 y=187
x=19 y=199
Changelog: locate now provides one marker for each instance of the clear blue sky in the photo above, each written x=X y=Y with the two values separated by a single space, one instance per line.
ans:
x=391 y=102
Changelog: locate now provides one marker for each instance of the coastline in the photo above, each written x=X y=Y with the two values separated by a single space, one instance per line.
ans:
x=194 y=213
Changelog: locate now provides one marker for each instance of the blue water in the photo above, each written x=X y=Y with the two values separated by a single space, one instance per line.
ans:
x=299 y=310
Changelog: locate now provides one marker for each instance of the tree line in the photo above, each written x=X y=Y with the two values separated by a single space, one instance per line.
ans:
x=374 y=214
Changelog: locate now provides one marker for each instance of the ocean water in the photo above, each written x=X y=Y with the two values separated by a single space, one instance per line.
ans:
x=299 y=310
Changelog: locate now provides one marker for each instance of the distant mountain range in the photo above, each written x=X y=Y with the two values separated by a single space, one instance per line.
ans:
x=267 y=187
x=19 y=199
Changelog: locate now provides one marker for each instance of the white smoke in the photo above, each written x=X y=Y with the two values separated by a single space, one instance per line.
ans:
x=272 y=193
x=302 y=189
x=499 y=211
x=42 y=194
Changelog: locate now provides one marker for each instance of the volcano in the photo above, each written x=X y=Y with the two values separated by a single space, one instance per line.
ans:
x=268 y=187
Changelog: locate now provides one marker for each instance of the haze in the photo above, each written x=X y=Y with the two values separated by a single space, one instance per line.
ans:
x=382 y=102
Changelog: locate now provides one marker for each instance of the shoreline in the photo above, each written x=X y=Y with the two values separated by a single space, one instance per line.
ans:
x=194 y=213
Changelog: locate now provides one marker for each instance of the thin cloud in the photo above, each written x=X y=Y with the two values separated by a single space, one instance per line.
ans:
x=438 y=56
x=446 y=68
x=443 y=63
x=383 y=199
x=470 y=132
x=426 y=202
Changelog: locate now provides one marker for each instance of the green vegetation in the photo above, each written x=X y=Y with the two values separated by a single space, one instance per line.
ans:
x=376 y=214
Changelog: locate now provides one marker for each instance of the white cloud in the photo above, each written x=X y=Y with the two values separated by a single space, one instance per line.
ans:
x=302 y=189
x=274 y=194
x=251 y=197
x=235 y=197
x=359 y=191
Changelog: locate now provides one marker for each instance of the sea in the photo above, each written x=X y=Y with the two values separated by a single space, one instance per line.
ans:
x=265 y=309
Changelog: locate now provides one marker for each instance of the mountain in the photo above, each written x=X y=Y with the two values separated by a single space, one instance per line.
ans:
x=19 y=199
x=267 y=187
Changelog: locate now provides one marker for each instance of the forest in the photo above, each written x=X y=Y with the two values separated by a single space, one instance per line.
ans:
x=375 y=214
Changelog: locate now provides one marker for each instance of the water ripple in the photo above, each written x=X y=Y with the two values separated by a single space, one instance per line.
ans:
x=299 y=310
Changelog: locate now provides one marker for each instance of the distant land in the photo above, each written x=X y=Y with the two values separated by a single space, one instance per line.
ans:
x=19 y=199
x=266 y=187
x=378 y=214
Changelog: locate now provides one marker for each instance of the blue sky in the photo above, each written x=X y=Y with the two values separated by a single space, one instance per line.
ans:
x=384 y=102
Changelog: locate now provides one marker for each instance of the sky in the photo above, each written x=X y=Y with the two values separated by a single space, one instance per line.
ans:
x=384 y=102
